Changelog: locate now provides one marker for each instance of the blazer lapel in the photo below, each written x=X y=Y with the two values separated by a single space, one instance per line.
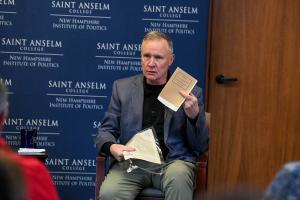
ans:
x=137 y=100
x=168 y=115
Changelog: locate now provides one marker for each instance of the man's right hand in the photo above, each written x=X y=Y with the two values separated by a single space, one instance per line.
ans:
x=117 y=151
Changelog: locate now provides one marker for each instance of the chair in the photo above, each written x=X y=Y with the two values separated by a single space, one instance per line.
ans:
x=156 y=194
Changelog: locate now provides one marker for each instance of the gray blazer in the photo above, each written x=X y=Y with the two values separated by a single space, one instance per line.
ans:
x=124 y=117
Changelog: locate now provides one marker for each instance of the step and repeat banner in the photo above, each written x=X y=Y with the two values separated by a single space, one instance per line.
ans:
x=60 y=58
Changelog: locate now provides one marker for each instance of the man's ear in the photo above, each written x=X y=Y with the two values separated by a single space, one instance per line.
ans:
x=172 y=58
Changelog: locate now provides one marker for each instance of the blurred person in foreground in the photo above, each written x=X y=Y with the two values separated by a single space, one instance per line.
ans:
x=286 y=183
x=37 y=180
x=182 y=135
x=12 y=183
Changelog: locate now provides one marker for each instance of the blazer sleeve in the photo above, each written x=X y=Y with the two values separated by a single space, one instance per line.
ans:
x=198 y=133
x=109 y=131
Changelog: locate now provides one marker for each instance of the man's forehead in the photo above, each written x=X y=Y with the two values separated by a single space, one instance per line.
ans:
x=154 y=40
x=162 y=46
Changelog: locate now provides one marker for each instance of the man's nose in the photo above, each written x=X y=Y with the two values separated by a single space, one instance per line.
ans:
x=152 y=61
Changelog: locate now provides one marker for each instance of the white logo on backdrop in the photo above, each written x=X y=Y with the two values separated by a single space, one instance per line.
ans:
x=115 y=56
x=170 y=19
x=13 y=126
x=31 y=53
x=88 y=16
x=80 y=95
x=71 y=172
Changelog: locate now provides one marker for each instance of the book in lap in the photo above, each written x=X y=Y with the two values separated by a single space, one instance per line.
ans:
x=145 y=147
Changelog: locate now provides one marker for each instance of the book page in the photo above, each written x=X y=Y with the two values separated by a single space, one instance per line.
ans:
x=145 y=145
x=180 y=80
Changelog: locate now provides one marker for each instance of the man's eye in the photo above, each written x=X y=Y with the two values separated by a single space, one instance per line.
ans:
x=158 y=57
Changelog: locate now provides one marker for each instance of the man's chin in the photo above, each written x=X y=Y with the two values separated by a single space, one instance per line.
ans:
x=150 y=77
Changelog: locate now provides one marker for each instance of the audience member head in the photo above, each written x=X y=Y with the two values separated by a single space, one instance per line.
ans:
x=286 y=184
x=3 y=104
x=12 y=185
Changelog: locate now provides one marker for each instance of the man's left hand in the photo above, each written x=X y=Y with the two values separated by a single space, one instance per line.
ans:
x=190 y=105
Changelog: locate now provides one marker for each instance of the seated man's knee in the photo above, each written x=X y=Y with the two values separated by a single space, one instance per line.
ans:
x=179 y=181
x=180 y=175
x=107 y=192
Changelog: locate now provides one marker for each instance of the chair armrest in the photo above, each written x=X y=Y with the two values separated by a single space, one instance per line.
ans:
x=100 y=174
x=201 y=176
x=202 y=159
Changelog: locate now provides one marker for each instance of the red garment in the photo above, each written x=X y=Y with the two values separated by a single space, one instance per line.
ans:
x=38 y=182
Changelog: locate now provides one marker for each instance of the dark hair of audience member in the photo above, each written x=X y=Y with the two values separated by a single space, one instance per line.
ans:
x=12 y=185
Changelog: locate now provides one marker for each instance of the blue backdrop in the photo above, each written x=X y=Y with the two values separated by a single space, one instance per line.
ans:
x=59 y=59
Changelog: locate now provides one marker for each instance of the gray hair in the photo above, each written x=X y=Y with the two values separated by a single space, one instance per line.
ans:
x=3 y=97
x=155 y=35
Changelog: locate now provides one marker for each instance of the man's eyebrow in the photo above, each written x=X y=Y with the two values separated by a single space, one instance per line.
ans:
x=158 y=56
x=154 y=55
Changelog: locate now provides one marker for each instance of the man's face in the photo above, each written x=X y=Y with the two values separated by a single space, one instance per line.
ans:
x=156 y=60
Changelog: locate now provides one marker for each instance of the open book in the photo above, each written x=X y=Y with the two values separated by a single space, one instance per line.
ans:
x=179 y=81
x=146 y=149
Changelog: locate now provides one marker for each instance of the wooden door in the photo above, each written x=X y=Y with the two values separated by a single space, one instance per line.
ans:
x=255 y=122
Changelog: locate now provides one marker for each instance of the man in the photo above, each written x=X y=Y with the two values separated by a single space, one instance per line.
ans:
x=37 y=180
x=182 y=135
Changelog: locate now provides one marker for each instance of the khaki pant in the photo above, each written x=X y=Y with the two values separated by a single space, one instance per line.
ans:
x=176 y=180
